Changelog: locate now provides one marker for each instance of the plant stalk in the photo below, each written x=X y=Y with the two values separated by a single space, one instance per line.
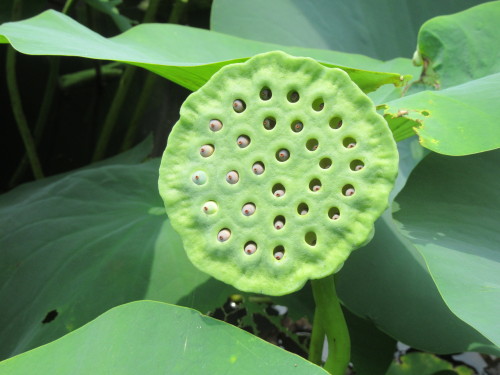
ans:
x=329 y=319
x=19 y=115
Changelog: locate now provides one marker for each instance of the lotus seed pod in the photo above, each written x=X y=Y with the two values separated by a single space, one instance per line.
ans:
x=258 y=253
x=215 y=125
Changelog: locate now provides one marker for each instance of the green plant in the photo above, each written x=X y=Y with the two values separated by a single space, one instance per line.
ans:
x=78 y=244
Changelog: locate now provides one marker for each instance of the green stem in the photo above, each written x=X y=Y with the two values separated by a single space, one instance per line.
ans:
x=178 y=10
x=17 y=109
x=317 y=340
x=120 y=95
x=114 y=111
x=331 y=318
x=139 y=110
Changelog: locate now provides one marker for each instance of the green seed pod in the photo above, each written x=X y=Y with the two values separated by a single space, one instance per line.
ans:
x=326 y=144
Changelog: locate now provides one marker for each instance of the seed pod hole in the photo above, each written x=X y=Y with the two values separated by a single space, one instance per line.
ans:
x=325 y=163
x=269 y=123
x=224 y=235
x=349 y=142
x=265 y=93
x=297 y=126
x=210 y=208
x=243 y=141
x=310 y=238
x=232 y=177
x=278 y=190
x=335 y=123
x=348 y=190
x=303 y=209
x=279 y=252
x=312 y=144
x=250 y=247
x=315 y=185
x=239 y=106
x=199 y=177
x=279 y=222
x=334 y=213
x=207 y=150
x=282 y=155
x=258 y=168
x=248 y=209
x=215 y=125
x=357 y=165
x=293 y=96
x=318 y=104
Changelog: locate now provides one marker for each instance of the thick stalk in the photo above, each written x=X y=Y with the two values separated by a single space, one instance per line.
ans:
x=331 y=318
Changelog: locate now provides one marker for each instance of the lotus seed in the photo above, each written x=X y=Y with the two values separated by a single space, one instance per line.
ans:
x=248 y=209
x=293 y=97
x=210 y=207
x=316 y=187
x=199 y=177
x=358 y=167
x=279 y=193
x=243 y=141
x=258 y=168
x=302 y=209
x=351 y=145
x=297 y=126
x=269 y=123
x=283 y=155
x=265 y=94
x=215 y=125
x=232 y=177
x=239 y=105
x=250 y=248
x=279 y=222
x=206 y=150
x=350 y=191
x=278 y=255
x=224 y=235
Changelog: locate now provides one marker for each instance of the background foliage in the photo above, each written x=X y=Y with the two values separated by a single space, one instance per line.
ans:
x=77 y=244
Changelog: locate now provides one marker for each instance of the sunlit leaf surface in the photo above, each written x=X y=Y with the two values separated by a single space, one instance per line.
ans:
x=155 y=338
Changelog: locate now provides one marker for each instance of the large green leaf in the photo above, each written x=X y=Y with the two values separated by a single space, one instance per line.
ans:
x=155 y=338
x=456 y=121
x=450 y=211
x=458 y=57
x=382 y=29
x=388 y=283
x=161 y=48
x=461 y=47
x=75 y=246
